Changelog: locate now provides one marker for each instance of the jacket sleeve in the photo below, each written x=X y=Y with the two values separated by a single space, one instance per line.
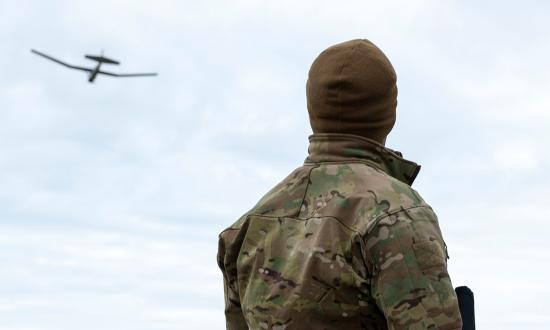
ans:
x=234 y=318
x=408 y=260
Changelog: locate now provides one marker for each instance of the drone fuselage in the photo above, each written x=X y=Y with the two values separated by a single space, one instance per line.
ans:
x=94 y=73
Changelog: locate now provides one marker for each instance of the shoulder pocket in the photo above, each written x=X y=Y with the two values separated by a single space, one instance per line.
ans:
x=429 y=254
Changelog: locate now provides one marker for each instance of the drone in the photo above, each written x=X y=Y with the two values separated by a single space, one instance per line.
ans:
x=93 y=72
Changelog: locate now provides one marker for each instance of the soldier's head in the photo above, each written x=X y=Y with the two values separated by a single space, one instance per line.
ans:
x=351 y=88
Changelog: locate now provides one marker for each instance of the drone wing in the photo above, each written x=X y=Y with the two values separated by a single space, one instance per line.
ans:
x=61 y=62
x=128 y=74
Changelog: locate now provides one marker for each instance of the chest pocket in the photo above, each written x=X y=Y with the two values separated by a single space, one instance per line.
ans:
x=289 y=265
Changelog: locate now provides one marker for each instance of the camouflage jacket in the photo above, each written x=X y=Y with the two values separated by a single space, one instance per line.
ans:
x=343 y=242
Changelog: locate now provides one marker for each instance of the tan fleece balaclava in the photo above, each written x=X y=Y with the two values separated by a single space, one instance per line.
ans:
x=351 y=88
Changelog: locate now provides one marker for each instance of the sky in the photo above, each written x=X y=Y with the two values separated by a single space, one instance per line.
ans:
x=112 y=194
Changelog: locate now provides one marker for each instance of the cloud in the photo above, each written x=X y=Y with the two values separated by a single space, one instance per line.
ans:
x=64 y=273
x=112 y=194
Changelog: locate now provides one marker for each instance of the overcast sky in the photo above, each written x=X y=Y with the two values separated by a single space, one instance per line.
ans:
x=112 y=194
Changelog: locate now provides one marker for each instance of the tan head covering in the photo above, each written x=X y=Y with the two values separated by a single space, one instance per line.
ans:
x=351 y=88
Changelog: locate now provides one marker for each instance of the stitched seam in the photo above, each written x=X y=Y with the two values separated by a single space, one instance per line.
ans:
x=370 y=164
x=339 y=220
x=313 y=166
x=366 y=162
x=375 y=221
x=305 y=190
x=227 y=229
x=388 y=214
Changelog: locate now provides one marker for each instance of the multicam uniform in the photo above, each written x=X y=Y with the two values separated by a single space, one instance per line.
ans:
x=343 y=242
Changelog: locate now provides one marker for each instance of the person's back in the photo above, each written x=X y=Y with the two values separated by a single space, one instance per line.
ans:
x=343 y=242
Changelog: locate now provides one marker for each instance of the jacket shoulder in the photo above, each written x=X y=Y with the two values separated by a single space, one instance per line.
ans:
x=284 y=199
x=357 y=193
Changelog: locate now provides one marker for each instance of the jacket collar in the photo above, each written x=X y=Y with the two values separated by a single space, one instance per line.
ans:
x=340 y=147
